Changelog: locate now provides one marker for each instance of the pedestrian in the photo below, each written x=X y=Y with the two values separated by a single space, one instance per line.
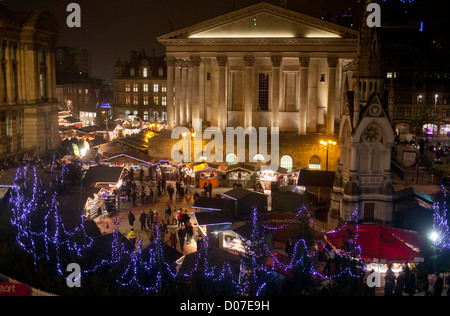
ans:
x=389 y=281
x=185 y=218
x=400 y=284
x=143 y=220
x=179 y=217
x=189 y=232
x=289 y=247
x=133 y=196
x=173 y=239
x=142 y=191
x=410 y=282
x=182 y=236
x=210 y=188
x=168 y=212
x=163 y=231
x=438 y=285
x=327 y=269
x=199 y=243
x=132 y=236
x=131 y=219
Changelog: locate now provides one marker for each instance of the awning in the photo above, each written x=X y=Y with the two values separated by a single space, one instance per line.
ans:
x=379 y=244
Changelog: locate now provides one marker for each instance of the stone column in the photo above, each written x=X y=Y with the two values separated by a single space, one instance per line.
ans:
x=303 y=107
x=170 y=62
x=249 y=61
x=195 y=93
x=178 y=91
x=331 y=104
x=222 y=113
x=189 y=94
x=49 y=73
x=276 y=64
x=184 y=88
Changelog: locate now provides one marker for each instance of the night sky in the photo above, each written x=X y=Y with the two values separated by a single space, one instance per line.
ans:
x=111 y=28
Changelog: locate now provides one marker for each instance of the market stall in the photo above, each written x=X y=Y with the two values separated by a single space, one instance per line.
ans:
x=166 y=169
x=241 y=175
x=268 y=177
x=379 y=246
x=131 y=159
x=206 y=173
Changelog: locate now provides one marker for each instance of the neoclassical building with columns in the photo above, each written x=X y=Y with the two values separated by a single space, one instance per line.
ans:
x=28 y=104
x=262 y=65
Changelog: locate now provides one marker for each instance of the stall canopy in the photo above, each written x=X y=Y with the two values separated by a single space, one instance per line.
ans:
x=246 y=201
x=379 y=244
x=131 y=157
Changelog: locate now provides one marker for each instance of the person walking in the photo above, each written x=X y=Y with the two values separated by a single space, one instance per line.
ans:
x=179 y=217
x=182 y=236
x=390 y=281
x=163 y=231
x=173 y=239
x=131 y=218
x=438 y=285
x=189 y=232
x=143 y=220
x=168 y=212
x=132 y=237
x=289 y=248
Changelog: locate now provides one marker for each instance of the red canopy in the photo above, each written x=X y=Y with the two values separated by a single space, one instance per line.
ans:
x=379 y=244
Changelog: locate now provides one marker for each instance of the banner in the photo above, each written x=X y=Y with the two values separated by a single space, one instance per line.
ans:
x=14 y=289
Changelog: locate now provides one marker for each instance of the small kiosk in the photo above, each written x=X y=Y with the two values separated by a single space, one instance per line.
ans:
x=206 y=173
x=266 y=177
x=241 y=175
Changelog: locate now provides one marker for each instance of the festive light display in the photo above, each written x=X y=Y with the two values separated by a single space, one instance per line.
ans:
x=54 y=243
x=440 y=224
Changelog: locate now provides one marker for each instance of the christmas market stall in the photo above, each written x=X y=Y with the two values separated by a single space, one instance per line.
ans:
x=241 y=175
x=246 y=201
x=131 y=159
x=104 y=177
x=212 y=213
x=165 y=169
x=288 y=199
x=377 y=245
x=206 y=173
x=270 y=179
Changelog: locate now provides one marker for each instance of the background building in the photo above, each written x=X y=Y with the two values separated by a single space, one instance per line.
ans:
x=73 y=60
x=140 y=87
x=28 y=105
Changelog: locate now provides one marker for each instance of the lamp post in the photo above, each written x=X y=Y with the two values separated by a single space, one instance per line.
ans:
x=327 y=144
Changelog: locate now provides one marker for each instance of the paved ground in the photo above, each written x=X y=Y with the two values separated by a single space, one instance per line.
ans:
x=107 y=226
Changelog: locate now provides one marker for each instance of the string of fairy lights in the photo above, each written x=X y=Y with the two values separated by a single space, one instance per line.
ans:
x=51 y=242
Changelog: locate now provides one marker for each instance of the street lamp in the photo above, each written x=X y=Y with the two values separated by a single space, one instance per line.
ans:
x=327 y=144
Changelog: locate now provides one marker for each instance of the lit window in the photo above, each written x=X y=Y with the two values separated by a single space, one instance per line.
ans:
x=314 y=163
x=155 y=87
x=127 y=87
x=231 y=159
x=259 y=157
x=161 y=71
x=287 y=162
x=145 y=116
x=145 y=73
x=145 y=99
x=136 y=100
x=156 y=100
x=164 y=101
x=135 y=87
x=163 y=88
x=145 y=87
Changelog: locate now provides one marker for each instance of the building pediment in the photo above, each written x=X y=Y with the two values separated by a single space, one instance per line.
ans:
x=259 y=21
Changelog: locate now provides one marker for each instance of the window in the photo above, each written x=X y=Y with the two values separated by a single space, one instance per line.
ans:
x=287 y=162
x=42 y=88
x=164 y=101
x=231 y=159
x=259 y=157
x=145 y=73
x=127 y=100
x=145 y=87
x=145 y=99
x=155 y=87
x=145 y=116
x=135 y=100
x=163 y=88
x=135 y=87
x=314 y=163
x=156 y=100
x=160 y=71
x=132 y=72
x=127 y=87
x=263 y=92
